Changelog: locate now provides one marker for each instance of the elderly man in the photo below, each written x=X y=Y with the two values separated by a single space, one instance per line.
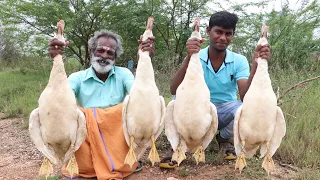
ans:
x=99 y=91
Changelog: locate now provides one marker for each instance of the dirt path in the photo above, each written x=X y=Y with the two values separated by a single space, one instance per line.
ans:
x=19 y=159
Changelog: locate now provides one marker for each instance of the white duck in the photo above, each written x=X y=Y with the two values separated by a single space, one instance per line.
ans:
x=143 y=109
x=57 y=127
x=259 y=121
x=191 y=120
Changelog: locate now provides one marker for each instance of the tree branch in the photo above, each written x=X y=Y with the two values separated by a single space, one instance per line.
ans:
x=295 y=86
x=163 y=36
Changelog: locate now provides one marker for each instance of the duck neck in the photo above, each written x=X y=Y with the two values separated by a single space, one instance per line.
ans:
x=144 y=69
x=194 y=66
x=262 y=66
x=261 y=76
x=58 y=73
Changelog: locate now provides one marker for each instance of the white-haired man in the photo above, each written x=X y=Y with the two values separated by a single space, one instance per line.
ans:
x=99 y=91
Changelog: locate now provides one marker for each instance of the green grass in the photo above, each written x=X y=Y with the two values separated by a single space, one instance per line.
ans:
x=301 y=107
x=20 y=92
x=22 y=84
x=163 y=79
x=306 y=174
x=254 y=169
x=183 y=172
x=50 y=178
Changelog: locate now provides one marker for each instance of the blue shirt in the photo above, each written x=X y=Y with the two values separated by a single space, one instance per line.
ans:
x=90 y=91
x=223 y=84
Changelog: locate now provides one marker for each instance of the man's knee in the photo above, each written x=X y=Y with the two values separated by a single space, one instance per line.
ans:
x=221 y=139
x=227 y=131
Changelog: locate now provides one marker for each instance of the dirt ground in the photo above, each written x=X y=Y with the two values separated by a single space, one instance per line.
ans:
x=19 y=159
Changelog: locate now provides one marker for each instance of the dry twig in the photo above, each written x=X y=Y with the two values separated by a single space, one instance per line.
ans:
x=293 y=168
x=295 y=86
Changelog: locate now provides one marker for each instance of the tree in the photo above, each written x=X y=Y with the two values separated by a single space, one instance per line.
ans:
x=8 y=48
x=83 y=18
x=173 y=24
x=290 y=43
x=40 y=17
x=291 y=33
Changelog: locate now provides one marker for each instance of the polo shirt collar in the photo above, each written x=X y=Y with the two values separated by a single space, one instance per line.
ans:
x=204 y=55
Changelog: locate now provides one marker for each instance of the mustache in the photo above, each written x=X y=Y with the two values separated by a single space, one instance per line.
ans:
x=101 y=60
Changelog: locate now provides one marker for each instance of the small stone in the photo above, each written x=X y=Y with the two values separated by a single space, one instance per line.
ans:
x=171 y=178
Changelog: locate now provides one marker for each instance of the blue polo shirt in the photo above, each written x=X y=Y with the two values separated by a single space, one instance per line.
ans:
x=223 y=84
x=90 y=91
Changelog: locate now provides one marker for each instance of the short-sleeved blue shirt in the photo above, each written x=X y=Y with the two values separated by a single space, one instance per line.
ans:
x=223 y=84
x=90 y=91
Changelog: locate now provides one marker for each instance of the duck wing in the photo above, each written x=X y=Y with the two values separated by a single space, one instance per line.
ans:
x=163 y=111
x=236 y=135
x=213 y=127
x=124 y=119
x=36 y=137
x=170 y=128
x=80 y=136
x=279 y=132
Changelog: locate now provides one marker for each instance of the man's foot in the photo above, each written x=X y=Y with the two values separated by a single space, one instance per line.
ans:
x=229 y=151
x=227 y=147
x=167 y=163
x=139 y=167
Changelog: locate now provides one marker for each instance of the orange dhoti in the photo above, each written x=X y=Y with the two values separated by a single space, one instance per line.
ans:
x=103 y=152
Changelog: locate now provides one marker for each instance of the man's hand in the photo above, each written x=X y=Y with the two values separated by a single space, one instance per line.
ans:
x=56 y=47
x=193 y=45
x=147 y=45
x=262 y=52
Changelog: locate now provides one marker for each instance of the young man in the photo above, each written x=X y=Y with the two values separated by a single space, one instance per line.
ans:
x=225 y=73
x=99 y=91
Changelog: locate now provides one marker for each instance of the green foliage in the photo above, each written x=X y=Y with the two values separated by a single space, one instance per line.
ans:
x=83 y=18
x=290 y=43
x=8 y=48
x=291 y=34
